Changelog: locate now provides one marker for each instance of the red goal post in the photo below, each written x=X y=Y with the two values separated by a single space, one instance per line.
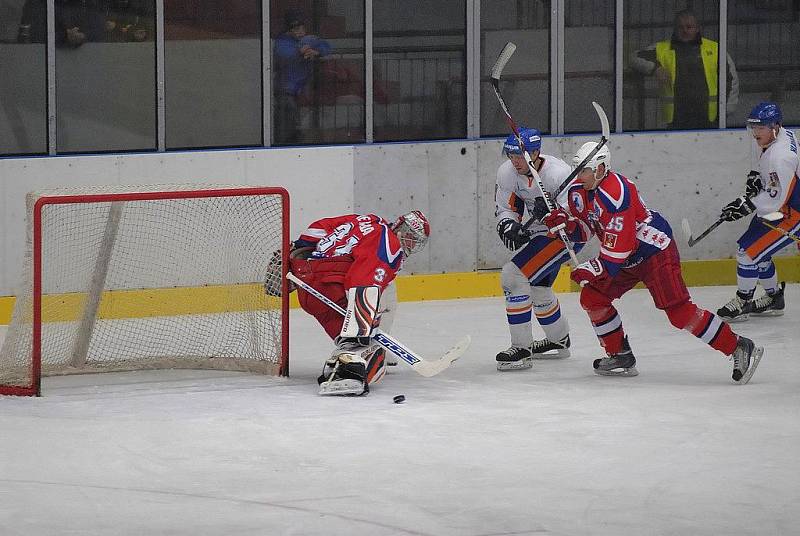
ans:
x=142 y=277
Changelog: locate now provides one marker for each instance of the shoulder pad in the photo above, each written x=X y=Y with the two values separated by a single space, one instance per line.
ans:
x=613 y=193
x=389 y=248
x=507 y=176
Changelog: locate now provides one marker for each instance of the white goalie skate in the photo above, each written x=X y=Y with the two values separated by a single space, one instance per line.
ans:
x=345 y=372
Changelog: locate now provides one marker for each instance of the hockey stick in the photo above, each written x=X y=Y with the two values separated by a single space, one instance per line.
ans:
x=687 y=231
x=420 y=365
x=765 y=219
x=494 y=78
x=606 y=132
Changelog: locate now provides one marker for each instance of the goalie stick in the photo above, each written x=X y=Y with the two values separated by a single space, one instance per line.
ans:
x=494 y=78
x=421 y=366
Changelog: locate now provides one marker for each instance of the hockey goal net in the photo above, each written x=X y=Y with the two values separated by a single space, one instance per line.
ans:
x=128 y=278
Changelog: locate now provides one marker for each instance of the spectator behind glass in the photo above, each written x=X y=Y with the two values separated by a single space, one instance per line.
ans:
x=686 y=67
x=33 y=23
x=76 y=21
x=79 y=21
x=128 y=20
x=295 y=52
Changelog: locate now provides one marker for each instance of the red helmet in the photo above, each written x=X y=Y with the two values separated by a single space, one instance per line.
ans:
x=413 y=231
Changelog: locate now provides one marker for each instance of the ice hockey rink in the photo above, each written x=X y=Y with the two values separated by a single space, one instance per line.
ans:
x=555 y=450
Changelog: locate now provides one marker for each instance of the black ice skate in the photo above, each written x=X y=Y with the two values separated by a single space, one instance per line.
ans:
x=546 y=349
x=515 y=358
x=746 y=357
x=737 y=309
x=769 y=304
x=621 y=364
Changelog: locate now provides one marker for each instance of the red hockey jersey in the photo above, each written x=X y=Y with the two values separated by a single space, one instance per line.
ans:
x=629 y=232
x=375 y=249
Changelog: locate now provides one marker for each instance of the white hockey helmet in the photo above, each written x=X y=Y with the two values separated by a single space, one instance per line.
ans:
x=413 y=231
x=603 y=156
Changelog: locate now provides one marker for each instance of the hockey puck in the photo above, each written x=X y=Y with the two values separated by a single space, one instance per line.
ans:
x=399 y=399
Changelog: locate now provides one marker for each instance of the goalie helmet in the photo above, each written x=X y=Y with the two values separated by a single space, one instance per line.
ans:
x=413 y=231
x=603 y=156
x=531 y=137
x=765 y=113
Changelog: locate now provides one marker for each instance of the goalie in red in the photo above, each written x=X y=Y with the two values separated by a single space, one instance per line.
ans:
x=353 y=259
x=636 y=245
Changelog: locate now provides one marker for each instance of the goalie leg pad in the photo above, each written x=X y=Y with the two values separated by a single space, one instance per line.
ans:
x=376 y=365
x=362 y=311
x=386 y=312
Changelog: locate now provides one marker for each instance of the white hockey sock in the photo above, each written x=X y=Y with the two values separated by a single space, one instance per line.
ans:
x=746 y=273
x=548 y=313
x=518 y=305
x=768 y=276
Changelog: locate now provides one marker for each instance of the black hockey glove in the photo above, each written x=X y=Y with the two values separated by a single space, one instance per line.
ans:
x=754 y=184
x=540 y=209
x=738 y=208
x=511 y=234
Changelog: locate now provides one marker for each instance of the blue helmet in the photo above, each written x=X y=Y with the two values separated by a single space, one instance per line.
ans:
x=765 y=113
x=531 y=137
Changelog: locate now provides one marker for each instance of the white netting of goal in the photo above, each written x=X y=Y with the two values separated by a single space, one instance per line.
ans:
x=161 y=276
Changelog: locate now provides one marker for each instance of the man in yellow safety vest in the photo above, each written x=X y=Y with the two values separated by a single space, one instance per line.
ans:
x=687 y=67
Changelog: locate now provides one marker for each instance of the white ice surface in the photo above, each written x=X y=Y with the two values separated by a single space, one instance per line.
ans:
x=555 y=450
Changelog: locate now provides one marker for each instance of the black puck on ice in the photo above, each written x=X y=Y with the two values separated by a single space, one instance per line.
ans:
x=399 y=399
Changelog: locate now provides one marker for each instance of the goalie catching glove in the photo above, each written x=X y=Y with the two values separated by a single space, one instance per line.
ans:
x=736 y=209
x=511 y=234
x=588 y=272
x=557 y=220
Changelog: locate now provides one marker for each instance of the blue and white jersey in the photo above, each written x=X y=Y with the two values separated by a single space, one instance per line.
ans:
x=514 y=193
x=779 y=166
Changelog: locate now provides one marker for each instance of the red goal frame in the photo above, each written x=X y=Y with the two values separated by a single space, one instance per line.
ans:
x=34 y=388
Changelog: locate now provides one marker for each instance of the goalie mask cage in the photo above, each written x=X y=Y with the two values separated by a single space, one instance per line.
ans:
x=129 y=278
